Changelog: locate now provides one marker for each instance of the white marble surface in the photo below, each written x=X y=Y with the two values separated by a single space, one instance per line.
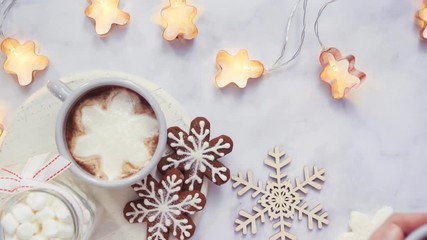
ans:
x=371 y=144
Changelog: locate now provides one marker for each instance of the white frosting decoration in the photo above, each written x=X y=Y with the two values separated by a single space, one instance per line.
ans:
x=116 y=135
x=163 y=208
x=198 y=154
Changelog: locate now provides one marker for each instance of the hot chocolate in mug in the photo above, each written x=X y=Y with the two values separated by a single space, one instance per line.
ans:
x=94 y=114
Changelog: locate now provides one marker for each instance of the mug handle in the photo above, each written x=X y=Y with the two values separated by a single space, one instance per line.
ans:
x=59 y=89
x=419 y=234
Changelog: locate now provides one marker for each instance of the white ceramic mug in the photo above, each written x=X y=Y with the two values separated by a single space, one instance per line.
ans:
x=71 y=97
x=419 y=234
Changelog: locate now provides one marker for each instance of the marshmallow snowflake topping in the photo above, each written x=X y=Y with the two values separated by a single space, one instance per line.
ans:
x=280 y=199
x=114 y=136
x=165 y=207
x=197 y=156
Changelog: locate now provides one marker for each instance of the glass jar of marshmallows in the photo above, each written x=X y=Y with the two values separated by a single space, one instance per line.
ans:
x=59 y=212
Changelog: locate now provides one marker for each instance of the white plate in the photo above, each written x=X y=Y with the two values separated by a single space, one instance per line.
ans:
x=32 y=133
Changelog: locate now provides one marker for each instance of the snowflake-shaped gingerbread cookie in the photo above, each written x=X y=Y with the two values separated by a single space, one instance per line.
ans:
x=280 y=199
x=165 y=207
x=196 y=155
x=363 y=226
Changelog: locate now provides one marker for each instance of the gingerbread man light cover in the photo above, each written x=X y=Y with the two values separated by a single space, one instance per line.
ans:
x=178 y=20
x=339 y=72
x=105 y=13
x=421 y=18
x=22 y=60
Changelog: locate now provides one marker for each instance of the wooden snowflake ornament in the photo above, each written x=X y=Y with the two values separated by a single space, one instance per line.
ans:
x=165 y=207
x=236 y=68
x=105 y=13
x=196 y=155
x=363 y=226
x=22 y=60
x=421 y=18
x=178 y=20
x=339 y=72
x=280 y=199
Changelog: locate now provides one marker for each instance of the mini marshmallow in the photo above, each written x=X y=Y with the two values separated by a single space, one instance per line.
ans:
x=50 y=228
x=26 y=230
x=65 y=231
x=23 y=213
x=9 y=223
x=37 y=200
x=57 y=204
x=63 y=214
x=45 y=214
x=38 y=237
x=10 y=237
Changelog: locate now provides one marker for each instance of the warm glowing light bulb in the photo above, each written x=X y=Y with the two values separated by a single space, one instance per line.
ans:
x=339 y=72
x=236 y=68
x=421 y=18
x=178 y=20
x=22 y=60
x=105 y=13
x=1 y=130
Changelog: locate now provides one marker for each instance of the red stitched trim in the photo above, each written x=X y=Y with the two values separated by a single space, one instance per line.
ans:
x=59 y=171
x=11 y=172
x=34 y=176
x=5 y=190
x=46 y=166
x=9 y=178
x=14 y=190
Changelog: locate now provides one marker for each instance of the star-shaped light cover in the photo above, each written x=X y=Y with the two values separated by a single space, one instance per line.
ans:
x=105 y=13
x=236 y=69
x=421 y=18
x=165 y=207
x=178 y=20
x=363 y=226
x=339 y=72
x=22 y=60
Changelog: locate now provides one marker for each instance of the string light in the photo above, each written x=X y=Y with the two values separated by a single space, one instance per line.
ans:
x=421 y=18
x=22 y=59
x=339 y=72
x=106 y=13
x=239 y=69
x=178 y=20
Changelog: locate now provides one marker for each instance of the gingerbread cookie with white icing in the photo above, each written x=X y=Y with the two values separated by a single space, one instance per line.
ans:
x=165 y=207
x=196 y=155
